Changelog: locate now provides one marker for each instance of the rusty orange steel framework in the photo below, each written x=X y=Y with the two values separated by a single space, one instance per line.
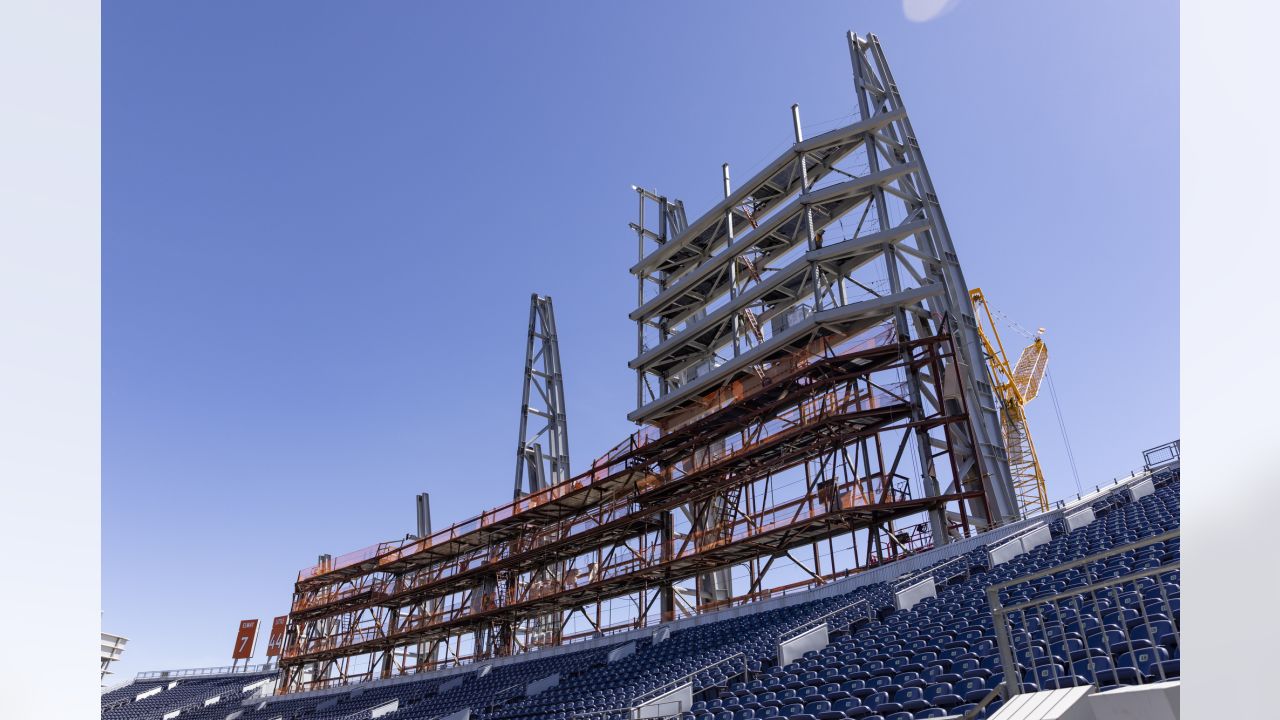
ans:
x=616 y=533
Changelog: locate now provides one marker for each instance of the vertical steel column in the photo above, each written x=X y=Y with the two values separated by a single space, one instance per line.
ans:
x=733 y=267
x=902 y=319
x=1000 y=621
x=814 y=272
x=878 y=94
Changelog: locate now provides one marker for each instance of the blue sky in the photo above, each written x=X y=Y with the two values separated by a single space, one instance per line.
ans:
x=322 y=222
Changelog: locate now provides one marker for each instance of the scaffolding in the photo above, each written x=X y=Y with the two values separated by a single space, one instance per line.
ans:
x=614 y=531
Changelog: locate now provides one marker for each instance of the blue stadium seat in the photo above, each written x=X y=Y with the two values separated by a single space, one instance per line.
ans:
x=912 y=699
x=1143 y=659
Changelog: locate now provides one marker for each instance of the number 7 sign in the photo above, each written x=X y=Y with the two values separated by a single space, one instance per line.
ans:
x=246 y=638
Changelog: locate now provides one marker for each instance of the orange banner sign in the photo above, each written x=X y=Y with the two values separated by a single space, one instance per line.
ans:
x=246 y=638
x=277 y=636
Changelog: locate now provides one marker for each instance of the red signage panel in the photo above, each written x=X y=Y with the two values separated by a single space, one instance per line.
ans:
x=246 y=638
x=277 y=636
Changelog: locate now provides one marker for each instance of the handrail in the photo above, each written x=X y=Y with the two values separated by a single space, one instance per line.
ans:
x=1108 y=582
x=1001 y=613
x=365 y=713
x=609 y=714
x=664 y=689
x=973 y=712
x=908 y=579
x=806 y=627
x=119 y=684
x=498 y=695
x=197 y=704
x=1118 y=550
x=616 y=460
x=191 y=672
x=395 y=549
x=1006 y=540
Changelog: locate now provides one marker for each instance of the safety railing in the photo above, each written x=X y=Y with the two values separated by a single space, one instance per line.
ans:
x=196 y=672
x=654 y=711
x=385 y=553
x=615 y=461
x=123 y=682
x=1016 y=536
x=916 y=576
x=1098 y=623
x=982 y=704
x=224 y=697
x=658 y=692
x=823 y=619
x=375 y=587
x=769 y=520
x=503 y=695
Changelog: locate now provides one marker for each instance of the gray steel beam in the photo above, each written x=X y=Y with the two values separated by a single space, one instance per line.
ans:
x=844 y=321
x=778 y=180
x=788 y=281
x=757 y=239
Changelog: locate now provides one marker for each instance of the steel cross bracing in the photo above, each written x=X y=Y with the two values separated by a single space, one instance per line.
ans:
x=537 y=466
x=607 y=530
x=841 y=232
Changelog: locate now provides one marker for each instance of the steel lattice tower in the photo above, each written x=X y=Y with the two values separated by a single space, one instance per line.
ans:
x=540 y=465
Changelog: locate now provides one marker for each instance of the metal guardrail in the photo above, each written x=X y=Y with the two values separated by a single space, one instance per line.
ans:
x=202 y=703
x=1137 y=633
x=364 y=714
x=976 y=710
x=661 y=711
x=806 y=627
x=680 y=681
x=1016 y=536
x=198 y=672
x=233 y=696
x=503 y=695
x=117 y=685
x=913 y=577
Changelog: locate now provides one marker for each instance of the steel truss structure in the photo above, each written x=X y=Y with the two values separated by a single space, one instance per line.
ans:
x=838 y=233
x=808 y=372
x=536 y=466
x=840 y=414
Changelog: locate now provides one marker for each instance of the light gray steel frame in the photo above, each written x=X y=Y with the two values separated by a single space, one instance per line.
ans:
x=758 y=260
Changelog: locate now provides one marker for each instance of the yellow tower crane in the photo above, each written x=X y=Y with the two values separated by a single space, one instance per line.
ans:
x=1015 y=387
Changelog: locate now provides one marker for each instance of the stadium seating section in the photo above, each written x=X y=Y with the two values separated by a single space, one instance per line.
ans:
x=223 y=693
x=936 y=659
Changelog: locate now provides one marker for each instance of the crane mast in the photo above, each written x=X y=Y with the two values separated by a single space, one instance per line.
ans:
x=1015 y=386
